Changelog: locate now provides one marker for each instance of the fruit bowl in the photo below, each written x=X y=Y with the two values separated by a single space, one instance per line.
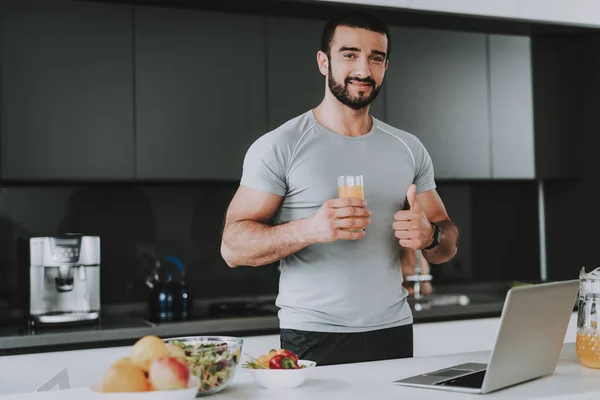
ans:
x=213 y=359
x=283 y=378
x=177 y=394
x=152 y=370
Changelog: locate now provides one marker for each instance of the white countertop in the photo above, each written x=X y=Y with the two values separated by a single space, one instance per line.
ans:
x=365 y=380
x=374 y=379
x=436 y=345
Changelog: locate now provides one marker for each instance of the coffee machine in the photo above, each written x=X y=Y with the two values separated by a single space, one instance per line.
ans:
x=64 y=279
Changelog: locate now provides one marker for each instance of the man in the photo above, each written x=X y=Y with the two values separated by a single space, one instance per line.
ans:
x=341 y=297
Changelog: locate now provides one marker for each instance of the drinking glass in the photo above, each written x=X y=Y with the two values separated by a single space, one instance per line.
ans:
x=351 y=186
x=588 y=319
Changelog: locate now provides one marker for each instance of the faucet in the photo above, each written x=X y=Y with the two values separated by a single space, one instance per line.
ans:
x=417 y=277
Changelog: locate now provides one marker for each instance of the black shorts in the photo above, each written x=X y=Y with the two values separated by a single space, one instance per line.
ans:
x=343 y=348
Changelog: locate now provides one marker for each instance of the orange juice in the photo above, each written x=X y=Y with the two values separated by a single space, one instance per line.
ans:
x=351 y=191
x=587 y=345
x=351 y=186
x=356 y=191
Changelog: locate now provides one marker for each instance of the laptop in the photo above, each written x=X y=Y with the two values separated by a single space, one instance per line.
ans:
x=532 y=331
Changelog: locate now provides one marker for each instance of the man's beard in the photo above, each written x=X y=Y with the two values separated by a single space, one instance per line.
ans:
x=342 y=93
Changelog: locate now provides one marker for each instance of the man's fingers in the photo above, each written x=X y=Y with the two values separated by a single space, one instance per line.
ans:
x=411 y=196
x=405 y=215
x=403 y=225
x=346 y=212
x=404 y=234
x=345 y=235
x=407 y=243
x=357 y=223
x=346 y=202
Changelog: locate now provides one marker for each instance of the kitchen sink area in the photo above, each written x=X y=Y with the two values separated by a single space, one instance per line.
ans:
x=459 y=301
x=454 y=300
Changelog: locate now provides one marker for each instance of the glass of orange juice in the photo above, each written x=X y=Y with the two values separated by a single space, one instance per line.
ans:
x=351 y=186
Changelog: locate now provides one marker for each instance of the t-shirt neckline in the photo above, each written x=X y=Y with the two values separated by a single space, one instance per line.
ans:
x=344 y=137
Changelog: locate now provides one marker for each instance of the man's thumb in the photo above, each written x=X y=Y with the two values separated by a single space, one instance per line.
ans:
x=411 y=195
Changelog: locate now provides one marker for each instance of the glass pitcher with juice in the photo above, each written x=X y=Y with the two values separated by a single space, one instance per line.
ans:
x=588 y=326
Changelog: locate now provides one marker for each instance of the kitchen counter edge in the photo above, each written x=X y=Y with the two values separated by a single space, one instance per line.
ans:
x=235 y=326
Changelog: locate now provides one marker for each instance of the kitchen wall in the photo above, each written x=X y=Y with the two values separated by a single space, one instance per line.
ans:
x=57 y=86
x=572 y=216
x=180 y=220
x=186 y=220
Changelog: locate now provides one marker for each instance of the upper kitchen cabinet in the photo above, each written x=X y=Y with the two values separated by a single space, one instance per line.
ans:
x=200 y=82
x=578 y=12
x=295 y=84
x=486 y=8
x=511 y=105
x=438 y=91
x=67 y=90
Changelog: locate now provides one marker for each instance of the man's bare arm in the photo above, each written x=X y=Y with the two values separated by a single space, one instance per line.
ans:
x=254 y=244
x=431 y=203
x=249 y=240
x=447 y=248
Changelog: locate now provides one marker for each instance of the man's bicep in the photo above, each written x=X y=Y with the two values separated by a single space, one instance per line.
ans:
x=433 y=206
x=252 y=204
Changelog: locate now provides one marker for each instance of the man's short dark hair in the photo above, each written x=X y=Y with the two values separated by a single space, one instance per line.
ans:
x=354 y=19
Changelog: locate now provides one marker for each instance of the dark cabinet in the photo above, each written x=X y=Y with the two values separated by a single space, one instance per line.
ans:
x=200 y=81
x=66 y=90
x=511 y=106
x=469 y=98
x=95 y=90
x=437 y=90
x=295 y=84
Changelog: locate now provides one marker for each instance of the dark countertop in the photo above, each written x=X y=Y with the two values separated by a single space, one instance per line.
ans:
x=123 y=324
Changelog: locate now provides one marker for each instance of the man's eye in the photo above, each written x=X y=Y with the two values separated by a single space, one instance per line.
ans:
x=378 y=59
x=349 y=55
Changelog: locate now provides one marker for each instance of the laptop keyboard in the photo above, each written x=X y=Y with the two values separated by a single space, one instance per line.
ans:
x=474 y=380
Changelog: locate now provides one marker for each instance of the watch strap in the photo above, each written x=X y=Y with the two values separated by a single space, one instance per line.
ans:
x=436 y=237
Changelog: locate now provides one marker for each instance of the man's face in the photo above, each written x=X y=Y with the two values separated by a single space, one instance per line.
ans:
x=357 y=65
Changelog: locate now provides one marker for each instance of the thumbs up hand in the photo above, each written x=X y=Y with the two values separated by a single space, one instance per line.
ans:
x=411 y=227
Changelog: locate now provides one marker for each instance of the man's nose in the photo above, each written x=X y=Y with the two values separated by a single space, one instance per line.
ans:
x=362 y=68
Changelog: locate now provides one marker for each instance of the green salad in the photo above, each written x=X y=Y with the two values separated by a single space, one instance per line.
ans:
x=211 y=362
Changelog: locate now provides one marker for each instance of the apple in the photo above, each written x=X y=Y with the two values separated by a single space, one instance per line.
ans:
x=124 y=361
x=146 y=350
x=124 y=378
x=168 y=373
x=177 y=352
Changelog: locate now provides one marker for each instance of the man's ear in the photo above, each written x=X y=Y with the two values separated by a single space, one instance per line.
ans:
x=323 y=62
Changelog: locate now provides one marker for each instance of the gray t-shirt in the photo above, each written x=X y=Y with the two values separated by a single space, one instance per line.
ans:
x=342 y=286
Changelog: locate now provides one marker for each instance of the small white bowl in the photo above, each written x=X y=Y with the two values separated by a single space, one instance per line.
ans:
x=283 y=378
x=180 y=394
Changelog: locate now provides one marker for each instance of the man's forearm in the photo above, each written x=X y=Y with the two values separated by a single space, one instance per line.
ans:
x=447 y=247
x=254 y=244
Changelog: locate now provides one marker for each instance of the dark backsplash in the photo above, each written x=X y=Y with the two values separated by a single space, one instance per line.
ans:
x=181 y=220
x=186 y=220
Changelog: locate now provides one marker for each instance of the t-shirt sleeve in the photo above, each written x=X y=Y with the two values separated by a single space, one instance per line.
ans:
x=424 y=172
x=262 y=169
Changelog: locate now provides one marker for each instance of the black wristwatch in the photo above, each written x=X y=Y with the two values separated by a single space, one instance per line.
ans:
x=437 y=233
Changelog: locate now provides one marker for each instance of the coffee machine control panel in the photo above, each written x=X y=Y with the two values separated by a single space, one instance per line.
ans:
x=63 y=251
x=66 y=250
